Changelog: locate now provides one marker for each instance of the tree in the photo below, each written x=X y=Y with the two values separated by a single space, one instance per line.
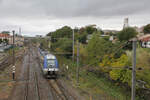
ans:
x=63 y=32
x=127 y=33
x=121 y=74
x=5 y=32
x=97 y=48
x=5 y=41
x=1 y=41
x=90 y=29
x=147 y=29
x=82 y=37
x=49 y=34
x=43 y=43
x=63 y=46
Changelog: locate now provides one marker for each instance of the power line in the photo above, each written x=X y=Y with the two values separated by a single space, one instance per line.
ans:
x=60 y=38
x=73 y=46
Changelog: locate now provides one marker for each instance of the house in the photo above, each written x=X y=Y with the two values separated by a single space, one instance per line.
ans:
x=110 y=38
x=5 y=37
x=19 y=40
x=38 y=36
x=145 y=41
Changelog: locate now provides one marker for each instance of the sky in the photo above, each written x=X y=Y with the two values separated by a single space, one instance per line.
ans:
x=38 y=17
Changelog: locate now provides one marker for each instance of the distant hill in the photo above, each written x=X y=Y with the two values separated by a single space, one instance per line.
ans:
x=110 y=31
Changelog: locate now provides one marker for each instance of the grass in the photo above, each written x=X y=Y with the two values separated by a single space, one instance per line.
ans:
x=143 y=61
x=96 y=86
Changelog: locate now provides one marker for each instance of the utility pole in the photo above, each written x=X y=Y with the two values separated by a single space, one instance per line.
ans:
x=134 y=69
x=77 y=70
x=73 y=46
x=49 y=44
x=13 y=72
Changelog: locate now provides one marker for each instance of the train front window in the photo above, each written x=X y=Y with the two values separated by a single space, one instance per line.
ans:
x=51 y=62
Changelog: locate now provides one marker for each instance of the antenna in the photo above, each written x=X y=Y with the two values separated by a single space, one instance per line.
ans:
x=20 y=31
x=126 y=23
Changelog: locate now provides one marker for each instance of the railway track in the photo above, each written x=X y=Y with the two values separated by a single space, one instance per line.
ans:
x=8 y=60
x=38 y=88
x=37 y=85
x=31 y=84
x=32 y=90
x=59 y=91
x=27 y=82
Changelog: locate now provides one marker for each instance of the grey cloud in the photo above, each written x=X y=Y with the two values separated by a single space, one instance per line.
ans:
x=38 y=16
x=73 y=8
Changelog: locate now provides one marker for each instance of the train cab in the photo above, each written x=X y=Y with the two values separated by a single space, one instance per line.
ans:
x=50 y=67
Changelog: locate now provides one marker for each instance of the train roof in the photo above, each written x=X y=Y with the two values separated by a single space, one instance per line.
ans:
x=50 y=56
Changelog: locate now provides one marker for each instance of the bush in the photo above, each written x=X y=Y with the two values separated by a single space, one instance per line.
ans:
x=126 y=34
x=147 y=29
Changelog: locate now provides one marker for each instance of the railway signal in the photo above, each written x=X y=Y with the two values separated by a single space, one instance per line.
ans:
x=13 y=68
x=13 y=72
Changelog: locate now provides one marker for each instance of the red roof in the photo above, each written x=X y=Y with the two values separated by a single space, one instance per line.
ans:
x=144 y=38
x=4 y=35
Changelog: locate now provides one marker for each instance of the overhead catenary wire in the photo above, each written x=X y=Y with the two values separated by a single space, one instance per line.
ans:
x=120 y=47
x=116 y=51
x=60 y=38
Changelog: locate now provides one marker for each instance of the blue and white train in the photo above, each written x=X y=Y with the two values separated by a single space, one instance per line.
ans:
x=50 y=66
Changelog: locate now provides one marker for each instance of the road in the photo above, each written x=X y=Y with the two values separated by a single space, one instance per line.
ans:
x=31 y=85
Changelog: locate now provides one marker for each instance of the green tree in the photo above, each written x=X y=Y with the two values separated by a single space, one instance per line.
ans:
x=82 y=37
x=43 y=43
x=64 y=32
x=147 y=29
x=127 y=33
x=90 y=29
x=62 y=45
x=121 y=74
x=1 y=41
x=97 y=48
x=5 y=32
x=5 y=41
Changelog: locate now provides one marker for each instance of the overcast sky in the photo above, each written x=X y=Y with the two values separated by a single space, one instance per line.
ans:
x=42 y=16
